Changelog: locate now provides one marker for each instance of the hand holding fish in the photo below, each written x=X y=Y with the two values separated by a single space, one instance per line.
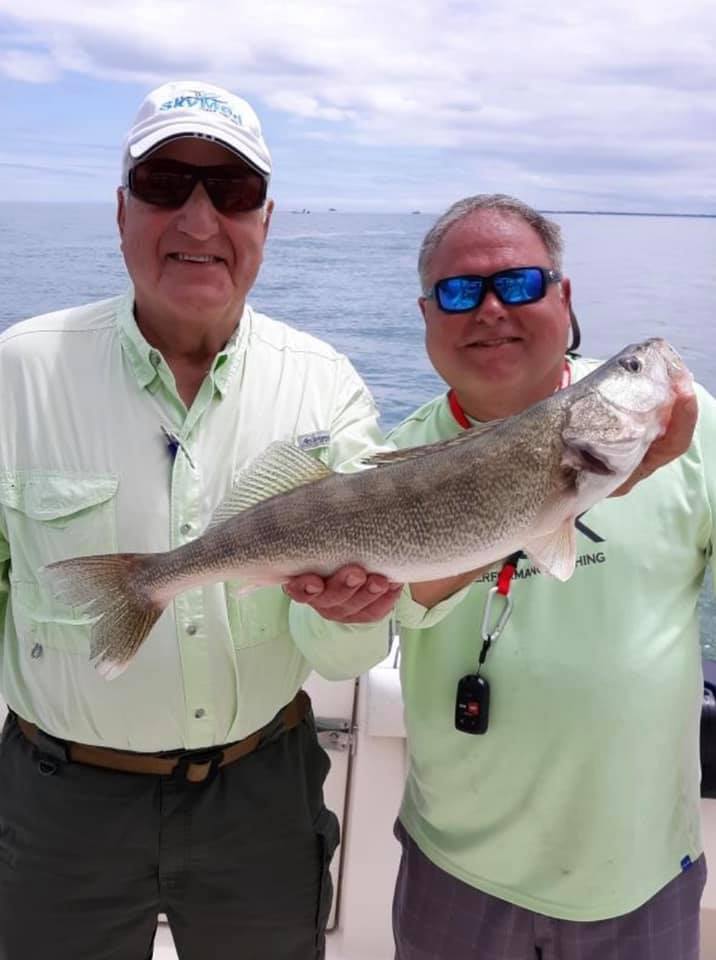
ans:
x=668 y=447
x=350 y=595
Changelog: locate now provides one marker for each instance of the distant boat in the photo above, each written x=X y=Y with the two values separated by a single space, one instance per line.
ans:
x=301 y=211
x=414 y=211
x=331 y=209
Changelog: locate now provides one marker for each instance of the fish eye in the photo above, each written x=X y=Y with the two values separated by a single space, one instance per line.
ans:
x=632 y=364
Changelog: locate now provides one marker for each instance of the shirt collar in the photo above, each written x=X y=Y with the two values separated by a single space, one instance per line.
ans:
x=144 y=359
x=464 y=420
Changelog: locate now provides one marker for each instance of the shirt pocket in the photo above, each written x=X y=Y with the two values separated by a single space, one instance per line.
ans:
x=49 y=517
x=256 y=617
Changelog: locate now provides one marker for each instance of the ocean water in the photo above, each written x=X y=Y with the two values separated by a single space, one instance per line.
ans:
x=351 y=279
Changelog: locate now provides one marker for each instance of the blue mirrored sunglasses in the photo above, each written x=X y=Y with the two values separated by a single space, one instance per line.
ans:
x=513 y=287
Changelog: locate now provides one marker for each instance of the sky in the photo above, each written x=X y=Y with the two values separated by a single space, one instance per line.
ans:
x=382 y=105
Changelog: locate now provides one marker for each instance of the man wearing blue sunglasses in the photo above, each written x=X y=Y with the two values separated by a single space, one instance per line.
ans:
x=569 y=828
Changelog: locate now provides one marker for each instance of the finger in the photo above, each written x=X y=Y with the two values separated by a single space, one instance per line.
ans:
x=377 y=609
x=375 y=587
x=677 y=438
x=304 y=588
x=675 y=442
x=373 y=609
x=347 y=591
x=680 y=430
x=340 y=587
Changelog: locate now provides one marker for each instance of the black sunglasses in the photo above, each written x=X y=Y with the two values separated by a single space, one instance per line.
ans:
x=513 y=287
x=232 y=187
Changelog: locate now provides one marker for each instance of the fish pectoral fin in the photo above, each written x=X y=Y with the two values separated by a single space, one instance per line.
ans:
x=280 y=468
x=555 y=553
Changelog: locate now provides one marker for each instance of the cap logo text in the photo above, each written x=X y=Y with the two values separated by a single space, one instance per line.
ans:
x=204 y=101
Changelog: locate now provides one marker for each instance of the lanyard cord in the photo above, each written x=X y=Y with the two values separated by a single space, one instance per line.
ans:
x=457 y=411
x=509 y=567
x=504 y=582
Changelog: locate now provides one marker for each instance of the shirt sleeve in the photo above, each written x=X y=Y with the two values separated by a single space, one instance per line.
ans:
x=705 y=445
x=355 y=433
x=4 y=581
x=414 y=615
x=706 y=437
x=338 y=651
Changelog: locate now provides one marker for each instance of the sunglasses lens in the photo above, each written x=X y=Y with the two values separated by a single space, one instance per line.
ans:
x=233 y=192
x=524 y=285
x=457 y=294
x=160 y=185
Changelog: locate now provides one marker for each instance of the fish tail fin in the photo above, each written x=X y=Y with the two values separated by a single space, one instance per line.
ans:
x=115 y=589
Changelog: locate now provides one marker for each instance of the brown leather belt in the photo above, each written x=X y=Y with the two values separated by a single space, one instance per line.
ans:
x=195 y=766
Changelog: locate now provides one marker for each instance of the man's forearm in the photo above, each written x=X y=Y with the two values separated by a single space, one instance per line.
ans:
x=431 y=592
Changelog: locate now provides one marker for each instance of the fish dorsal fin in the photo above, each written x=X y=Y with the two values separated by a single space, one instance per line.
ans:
x=280 y=468
x=413 y=453
x=555 y=553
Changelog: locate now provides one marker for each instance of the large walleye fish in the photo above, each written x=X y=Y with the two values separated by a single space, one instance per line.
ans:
x=418 y=514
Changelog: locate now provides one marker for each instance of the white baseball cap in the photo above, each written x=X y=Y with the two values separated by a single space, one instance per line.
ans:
x=192 y=108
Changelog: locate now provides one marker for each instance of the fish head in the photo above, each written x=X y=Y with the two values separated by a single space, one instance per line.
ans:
x=616 y=412
x=645 y=379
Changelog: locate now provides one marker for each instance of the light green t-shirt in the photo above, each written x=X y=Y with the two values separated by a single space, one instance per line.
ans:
x=582 y=799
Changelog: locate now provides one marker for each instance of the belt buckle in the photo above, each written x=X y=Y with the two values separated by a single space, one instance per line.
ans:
x=198 y=758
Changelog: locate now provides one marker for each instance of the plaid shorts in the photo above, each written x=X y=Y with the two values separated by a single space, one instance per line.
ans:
x=438 y=917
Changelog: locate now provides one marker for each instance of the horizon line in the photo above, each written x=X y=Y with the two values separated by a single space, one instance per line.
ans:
x=307 y=212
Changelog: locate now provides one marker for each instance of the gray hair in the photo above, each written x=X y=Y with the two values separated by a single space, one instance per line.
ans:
x=548 y=230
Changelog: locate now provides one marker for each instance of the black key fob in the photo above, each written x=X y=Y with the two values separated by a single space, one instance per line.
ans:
x=472 y=705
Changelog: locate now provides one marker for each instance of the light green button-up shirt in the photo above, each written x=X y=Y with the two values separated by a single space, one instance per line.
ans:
x=86 y=467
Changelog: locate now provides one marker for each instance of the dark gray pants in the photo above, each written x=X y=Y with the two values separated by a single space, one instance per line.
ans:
x=88 y=858
x=438 y=917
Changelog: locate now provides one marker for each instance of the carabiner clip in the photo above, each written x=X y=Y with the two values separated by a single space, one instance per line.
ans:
x=502 y=619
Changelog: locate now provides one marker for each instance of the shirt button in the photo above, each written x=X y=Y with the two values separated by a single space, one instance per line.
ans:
x=185 y=528
x=154 y=358
x=36 y=651
x=191 y=629
x=199 y=713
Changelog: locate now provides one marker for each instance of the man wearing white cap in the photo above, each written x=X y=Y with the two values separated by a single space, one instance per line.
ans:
x=191 y=784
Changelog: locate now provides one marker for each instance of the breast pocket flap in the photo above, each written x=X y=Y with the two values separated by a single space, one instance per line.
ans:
x=55 y=497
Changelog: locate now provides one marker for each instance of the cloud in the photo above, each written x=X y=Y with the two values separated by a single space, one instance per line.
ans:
x=301 y=105
x=596 y=87
x=28 y=66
